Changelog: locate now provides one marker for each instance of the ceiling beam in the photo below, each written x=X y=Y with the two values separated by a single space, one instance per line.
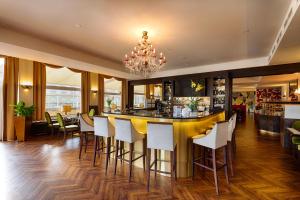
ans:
x=294 y=6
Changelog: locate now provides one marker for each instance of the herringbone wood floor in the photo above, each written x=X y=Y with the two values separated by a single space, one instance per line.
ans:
x=48 y=169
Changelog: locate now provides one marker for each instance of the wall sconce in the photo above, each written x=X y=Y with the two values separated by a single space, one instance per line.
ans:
x=26 y=87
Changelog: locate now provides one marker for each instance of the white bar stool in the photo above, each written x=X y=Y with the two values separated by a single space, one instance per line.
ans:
x=215 y=139
x=231 y=127
x=160 y=136
x=233 y=132
x=125 y=132
x=104 y=129
x=86 y=127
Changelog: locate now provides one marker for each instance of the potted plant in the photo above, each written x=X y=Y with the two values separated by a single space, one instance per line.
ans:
x=193 y=105
x=109 y=101
x=23 y=119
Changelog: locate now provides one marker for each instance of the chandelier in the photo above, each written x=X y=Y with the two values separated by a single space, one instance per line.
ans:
x=143 y=59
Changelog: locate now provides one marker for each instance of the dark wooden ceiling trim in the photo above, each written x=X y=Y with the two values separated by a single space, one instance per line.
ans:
x=235 y=73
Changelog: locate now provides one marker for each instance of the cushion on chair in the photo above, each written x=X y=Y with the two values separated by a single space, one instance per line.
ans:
x=296 y=140
x=70 y=128
x=56 y=124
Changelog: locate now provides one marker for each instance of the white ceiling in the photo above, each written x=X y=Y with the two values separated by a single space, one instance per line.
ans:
x=190 y=33
x=251 y=83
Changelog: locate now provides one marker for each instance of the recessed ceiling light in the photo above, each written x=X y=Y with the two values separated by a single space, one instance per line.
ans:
x=77 y=25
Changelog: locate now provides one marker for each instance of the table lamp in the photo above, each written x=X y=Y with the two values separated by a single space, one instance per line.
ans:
x=66 y=109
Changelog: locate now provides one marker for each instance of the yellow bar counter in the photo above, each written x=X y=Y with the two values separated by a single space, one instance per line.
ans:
x=184 y=130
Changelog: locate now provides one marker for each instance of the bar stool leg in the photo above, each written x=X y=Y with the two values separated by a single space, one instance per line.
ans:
x=203 y=160
x=86 y=141
x=131 y=147
x=155 y=162
x=230 y=152
x=144 y=152
x=95 y=150
x=225 y=162
x=81 y=143
x=172 y=164
x=175 y=162
x=116 y=156
x=215 y=170
x=148 y=168
x=107 y=153
x=193 y=160
x=122 y=151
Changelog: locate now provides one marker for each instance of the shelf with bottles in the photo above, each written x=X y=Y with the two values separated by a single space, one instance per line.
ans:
x=268 y=108
x=219 y=92
x=167 y=91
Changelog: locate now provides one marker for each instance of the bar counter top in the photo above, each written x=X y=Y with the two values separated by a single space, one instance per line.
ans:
x=163 y=116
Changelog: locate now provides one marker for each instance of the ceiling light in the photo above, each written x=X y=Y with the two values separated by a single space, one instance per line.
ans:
x=143 y=59
x=77 y=25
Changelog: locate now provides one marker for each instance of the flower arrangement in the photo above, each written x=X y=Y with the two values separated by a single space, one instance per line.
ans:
x=109 y=101
x=193 y=105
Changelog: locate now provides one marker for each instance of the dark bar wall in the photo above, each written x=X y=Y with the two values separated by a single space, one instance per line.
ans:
x=228 y=75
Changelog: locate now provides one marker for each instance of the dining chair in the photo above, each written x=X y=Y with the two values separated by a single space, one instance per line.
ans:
x=66 y=129
x=214 y=140
x=86 y=129
x=126 y=132
x=92 y=112
x=51 y=125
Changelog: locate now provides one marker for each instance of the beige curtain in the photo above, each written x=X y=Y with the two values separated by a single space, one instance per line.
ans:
x=85 y=91
x=100 y=93
x=10 y=95
x=39 y=90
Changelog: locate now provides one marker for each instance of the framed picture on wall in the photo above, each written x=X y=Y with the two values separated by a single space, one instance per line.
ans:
x=293 y=85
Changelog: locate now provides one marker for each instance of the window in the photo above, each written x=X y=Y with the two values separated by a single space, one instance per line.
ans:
x=158 y=91
x=139 y=96
x=112 y=91
x=63 y=88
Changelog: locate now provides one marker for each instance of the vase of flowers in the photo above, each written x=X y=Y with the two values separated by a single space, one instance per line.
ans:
x=193 y=105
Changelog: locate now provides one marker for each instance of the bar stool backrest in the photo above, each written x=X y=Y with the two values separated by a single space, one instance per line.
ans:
x=102 y=126
x=230 y=128
x=219 y=135
x=86 y=124
x=123 y=130
x=234 y=121
x=160 y=136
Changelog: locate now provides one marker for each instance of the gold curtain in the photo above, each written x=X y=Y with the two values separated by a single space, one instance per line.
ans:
x=147 y=91
x=124 y=93
x=100 y=93
x=85 y=91
x=39 y=90
x=11 y=76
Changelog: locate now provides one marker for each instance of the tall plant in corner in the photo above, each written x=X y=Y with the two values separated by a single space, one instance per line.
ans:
x=23 y=119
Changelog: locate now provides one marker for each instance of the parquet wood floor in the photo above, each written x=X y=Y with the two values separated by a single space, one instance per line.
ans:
x=49 y=169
